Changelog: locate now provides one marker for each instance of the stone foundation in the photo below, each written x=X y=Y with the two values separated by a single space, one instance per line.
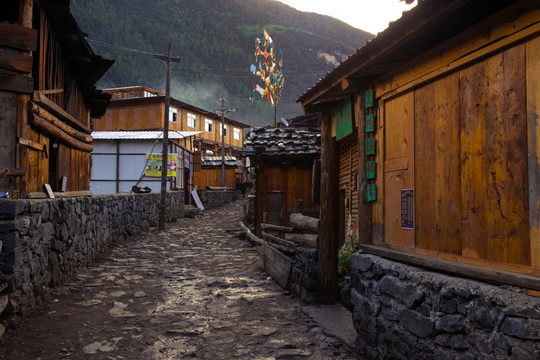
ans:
x=404 y=312
x=216 y=197
x=304 y=275
x=46 y=241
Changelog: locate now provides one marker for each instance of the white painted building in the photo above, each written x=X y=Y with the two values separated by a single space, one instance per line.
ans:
x=123 y=159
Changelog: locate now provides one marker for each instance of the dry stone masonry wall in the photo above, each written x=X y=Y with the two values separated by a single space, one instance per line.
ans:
x=402 y=312
x=216 y=197
x=45 y=241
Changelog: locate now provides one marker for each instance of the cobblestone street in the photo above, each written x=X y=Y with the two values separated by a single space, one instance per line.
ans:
x=192 y=291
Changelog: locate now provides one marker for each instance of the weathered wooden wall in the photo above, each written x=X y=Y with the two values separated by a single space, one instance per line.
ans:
x=133 y=117
x=463 y=134
x=347 y=182
x=293 y=182
x=211 y=176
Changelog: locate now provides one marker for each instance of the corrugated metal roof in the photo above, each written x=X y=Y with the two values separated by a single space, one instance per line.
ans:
x=140 y=135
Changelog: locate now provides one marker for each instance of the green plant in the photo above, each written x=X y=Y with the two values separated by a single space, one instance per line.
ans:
x=172 y=218
x=190 y=213
x=349 y=247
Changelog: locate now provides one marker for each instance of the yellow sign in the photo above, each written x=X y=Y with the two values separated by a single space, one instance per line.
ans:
x=153 y=164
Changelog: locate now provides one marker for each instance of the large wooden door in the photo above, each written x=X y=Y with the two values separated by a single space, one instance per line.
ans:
x=398 y=166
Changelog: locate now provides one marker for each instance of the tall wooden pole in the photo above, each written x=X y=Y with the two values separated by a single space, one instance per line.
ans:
x=328 y=225
x=222 y=141
x=165 y=150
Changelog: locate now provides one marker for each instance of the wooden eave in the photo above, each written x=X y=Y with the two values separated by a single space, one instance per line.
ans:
x=430 y=23
x=84 y=65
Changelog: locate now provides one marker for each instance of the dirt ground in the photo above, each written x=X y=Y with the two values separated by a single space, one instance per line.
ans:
x=193 y=291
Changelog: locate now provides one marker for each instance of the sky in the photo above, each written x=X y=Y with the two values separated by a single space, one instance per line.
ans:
x=368 y=15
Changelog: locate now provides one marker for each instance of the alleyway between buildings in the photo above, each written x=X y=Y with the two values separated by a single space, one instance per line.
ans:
x=194 y=291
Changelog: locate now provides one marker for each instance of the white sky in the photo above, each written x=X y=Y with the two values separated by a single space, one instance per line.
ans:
x=368 y=15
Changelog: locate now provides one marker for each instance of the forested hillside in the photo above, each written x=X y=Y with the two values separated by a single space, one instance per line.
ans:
x=215 y=41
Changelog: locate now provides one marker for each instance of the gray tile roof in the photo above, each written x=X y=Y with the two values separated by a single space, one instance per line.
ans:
x=281 y=141
x=216 y=161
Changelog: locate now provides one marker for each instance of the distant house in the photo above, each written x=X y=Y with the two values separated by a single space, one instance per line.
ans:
x=142 y=108
x=48 y=98
x=124 y=159
x=440 y=114
x=285 y=162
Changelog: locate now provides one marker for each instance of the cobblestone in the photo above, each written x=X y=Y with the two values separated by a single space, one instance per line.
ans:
x=192 y=291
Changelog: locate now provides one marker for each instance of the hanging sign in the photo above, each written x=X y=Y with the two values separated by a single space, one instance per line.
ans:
x=407 y=209
x=153 y=165
x=343 y=119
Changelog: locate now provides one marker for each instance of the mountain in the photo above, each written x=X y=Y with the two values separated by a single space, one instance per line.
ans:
x=215 y=41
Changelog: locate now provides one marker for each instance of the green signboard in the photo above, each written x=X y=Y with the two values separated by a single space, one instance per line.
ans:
x=343 y=119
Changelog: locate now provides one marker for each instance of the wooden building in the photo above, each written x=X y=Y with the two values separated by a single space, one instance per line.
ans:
x=445 y=107
x=142 y=108
x=285 y=161
x=47 y=97
x=210 y=173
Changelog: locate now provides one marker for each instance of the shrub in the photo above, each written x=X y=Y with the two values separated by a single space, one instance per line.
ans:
x=350 y=246
x=190 y=213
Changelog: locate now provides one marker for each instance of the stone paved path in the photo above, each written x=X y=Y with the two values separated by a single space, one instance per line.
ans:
x=193 y=291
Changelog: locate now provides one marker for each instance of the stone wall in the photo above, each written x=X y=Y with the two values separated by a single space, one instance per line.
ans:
x=216 y=197
x=45 y=241
x=304 y=275
x=403 y=312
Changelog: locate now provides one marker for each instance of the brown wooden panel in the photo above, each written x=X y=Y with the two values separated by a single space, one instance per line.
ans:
x=393 y=183
x=447 y=179
x=425 y=164
x=533 y=140
x=514 y=182
x=473 y=166
x=399 y=143
x=18 y=37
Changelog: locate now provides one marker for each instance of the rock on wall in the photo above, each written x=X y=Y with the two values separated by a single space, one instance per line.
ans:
x=403 y=312
x=45 y=241
x=304 y=275
x=216 y=197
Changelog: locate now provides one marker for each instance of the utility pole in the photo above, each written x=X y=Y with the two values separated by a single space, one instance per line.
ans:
x=223 y=111
x=165 y=151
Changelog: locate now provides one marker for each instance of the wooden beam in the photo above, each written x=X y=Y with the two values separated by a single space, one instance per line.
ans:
x=12 y=81
x=307 y=240
x=67 y=194
x=18 y=37
x=58 y=133
x=456 y=268
x=31 y=144
x=328 y=228
x=304 y=223
x=50 y=106
x=250 y=235
x=11 y=172
x=42 y=113
x=277 y=240
x=15 y=62
x=271 y=227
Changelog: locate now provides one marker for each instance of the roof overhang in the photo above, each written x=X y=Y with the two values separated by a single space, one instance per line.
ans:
x=425 y=26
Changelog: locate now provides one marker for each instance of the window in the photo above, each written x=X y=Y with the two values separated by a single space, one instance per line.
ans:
x=236 y=133
x=208 y=125
x=173 y=114
x=225 y=132
x=191 y=120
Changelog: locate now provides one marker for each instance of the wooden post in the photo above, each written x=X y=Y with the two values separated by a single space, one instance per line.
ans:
x=165 y=151
x=328 y=240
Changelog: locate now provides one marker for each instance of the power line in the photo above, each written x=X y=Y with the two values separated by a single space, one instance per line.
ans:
x=201 y=72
